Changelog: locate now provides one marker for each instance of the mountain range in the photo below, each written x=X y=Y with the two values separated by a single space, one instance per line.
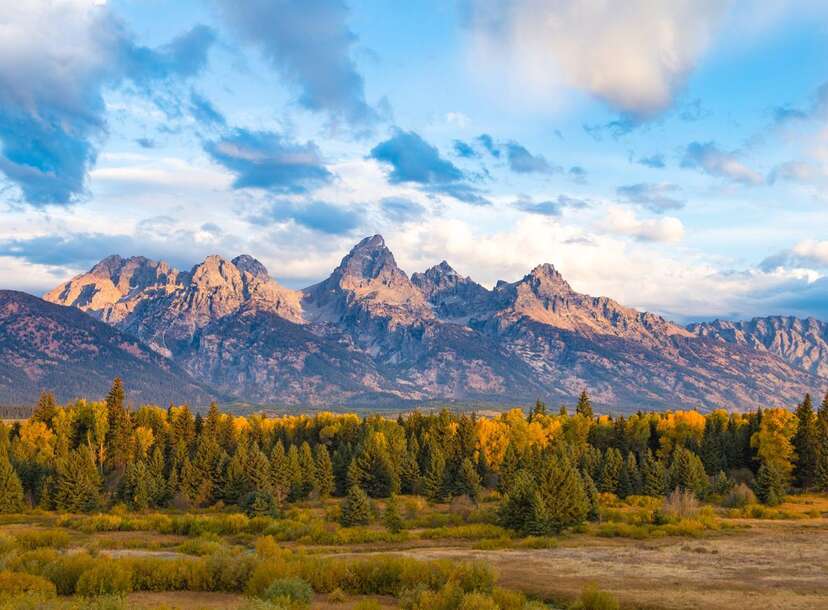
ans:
x=370 y=335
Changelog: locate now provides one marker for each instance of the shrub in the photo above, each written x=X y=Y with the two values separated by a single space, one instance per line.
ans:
x=507 y=599
x=35 y=539
x=739 y=497
x=105 y=578
x=289 y=591
x=478 y=601
x=337 y=596
x=15 y=583
x=66 y=570
x=367 y=604
x=229 y=571
x=593 y=599
x=681 y=503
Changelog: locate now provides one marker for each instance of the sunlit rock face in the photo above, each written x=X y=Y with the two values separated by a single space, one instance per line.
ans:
x=371 y=335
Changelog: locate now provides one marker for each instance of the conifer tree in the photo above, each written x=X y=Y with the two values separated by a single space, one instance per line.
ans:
x=584 y=406
x=391 y=517
x=654 y=476
x=11 y=490
x=280 y=476
x=324 y=472
x=295 y=475
x=77 y=482
x=821 y=470
x=805 y=444
x=46 y=408
x=236 y=482
x=687 y=472
x=410 y=469
x=516 y=509
x=308 y=467
x=155 y=474
x=633 y=474
x=611 y=470
x=468 y=481
x=591 y=492
x=356 y=508
x=508 y=468
x=257 y=471
x=434 y=480
x=770 y=485
x=565 y=499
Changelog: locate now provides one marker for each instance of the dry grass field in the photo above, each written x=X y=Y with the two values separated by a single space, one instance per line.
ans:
x=739 y=559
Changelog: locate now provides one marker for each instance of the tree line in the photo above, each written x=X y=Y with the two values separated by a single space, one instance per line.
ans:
x=548 y=467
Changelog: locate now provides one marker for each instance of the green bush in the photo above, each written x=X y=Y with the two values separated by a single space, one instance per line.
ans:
x=105 y=578
x=15 y=583
x=289 y=591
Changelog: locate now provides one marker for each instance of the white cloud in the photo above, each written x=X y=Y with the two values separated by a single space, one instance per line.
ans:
x=624 y=222
x=633 y=55
x=816 y=251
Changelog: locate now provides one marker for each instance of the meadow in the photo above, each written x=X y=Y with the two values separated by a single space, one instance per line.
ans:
x=638 y=554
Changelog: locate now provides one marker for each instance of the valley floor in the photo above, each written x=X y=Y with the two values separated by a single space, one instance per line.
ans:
x=736 y=561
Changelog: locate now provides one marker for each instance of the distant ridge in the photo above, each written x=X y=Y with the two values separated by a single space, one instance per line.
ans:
x=371 y=335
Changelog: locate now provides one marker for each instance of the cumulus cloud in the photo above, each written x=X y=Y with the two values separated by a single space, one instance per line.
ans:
x=266 y=160
x=797 y=171
x=635 y=58
x=657 y=198
x=310 y=43
x=413 y=160
x=624 y=222
x=708 y=158
x=806 y=253
x=487 y=142
x=56 y=61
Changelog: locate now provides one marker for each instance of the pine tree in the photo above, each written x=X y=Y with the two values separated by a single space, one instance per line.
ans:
x=280 y=476
x=11 y=490
x=324 y=472
x=46 y=408
x=633 y=474
x=610 y=470
x=308 y=467
x=591 y=492
x=391 y=517
x=434 y=481
x=236 y=483
x=257 y=471
x=654 y=476
x=687 y=472
x=516 y=508
x=77 y=482
x=562 y=489
x=805 y=444
x=410 y=469
x=295 y=475
x=770 y=485
x=821 y=471
x=356 y=508
x=508 y=468
x=468 y=481
x=119 y=440
x=584 y=406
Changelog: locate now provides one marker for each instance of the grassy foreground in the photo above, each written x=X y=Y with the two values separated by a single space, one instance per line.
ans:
x=444 y=556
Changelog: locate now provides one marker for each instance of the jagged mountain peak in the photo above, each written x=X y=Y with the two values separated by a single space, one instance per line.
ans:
x=251 y=265
x=368 y=260
x=546 y=278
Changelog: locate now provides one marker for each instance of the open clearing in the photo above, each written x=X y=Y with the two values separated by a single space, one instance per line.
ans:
x=774 y=564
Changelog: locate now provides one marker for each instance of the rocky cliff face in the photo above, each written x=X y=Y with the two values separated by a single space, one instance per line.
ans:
x=370 y=335
x=48 y=347
x=802 y=343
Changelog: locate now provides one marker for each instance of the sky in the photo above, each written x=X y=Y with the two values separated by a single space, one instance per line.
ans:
x=672 y=156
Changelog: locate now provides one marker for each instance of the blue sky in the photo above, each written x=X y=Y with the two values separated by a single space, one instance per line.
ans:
x=673 y=156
